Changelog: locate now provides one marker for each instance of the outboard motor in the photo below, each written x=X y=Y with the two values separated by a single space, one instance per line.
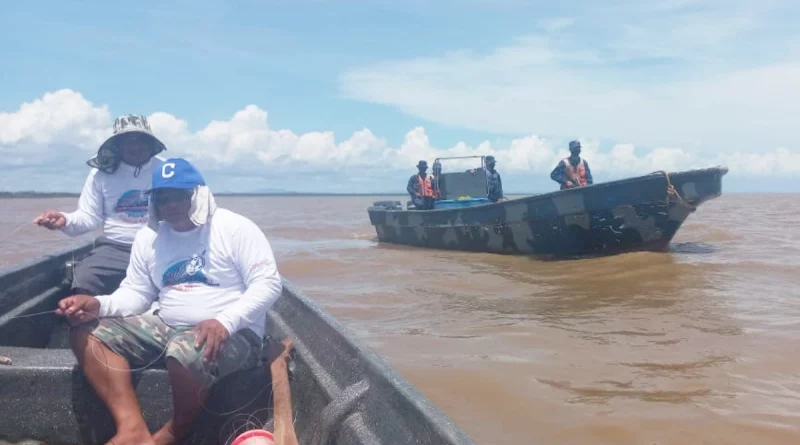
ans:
x=386 y=205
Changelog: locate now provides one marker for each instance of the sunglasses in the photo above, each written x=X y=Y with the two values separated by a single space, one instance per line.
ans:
x=133 y=139
x=161 y=197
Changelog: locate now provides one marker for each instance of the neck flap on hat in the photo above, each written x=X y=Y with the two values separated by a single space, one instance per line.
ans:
x=201 y=211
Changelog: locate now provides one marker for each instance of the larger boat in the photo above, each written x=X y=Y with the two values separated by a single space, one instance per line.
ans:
x=341 y=391
x=633 y=214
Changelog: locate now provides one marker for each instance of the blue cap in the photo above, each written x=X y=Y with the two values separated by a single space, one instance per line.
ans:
x=574 y=144
x=176 y=173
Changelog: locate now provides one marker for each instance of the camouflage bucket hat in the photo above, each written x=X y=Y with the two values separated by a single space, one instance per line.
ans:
x=108 y=157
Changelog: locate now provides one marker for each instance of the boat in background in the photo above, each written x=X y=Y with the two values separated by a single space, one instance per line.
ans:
x=633 y=214
x=341 y=391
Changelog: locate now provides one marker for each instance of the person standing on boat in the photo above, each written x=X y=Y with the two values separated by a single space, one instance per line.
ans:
x=214 y=275
x=572 y=171
x=112 y=198
x=421 y=188
x=495 y=184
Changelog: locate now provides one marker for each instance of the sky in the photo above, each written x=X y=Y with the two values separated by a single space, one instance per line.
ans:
x=347 y=96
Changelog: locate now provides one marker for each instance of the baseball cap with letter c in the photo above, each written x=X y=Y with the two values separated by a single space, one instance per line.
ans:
x=176 y=173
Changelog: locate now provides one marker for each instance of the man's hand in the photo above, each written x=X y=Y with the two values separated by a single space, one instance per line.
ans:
x=569 y=184
x=78 y=308
x=51 y=219
x=213 y=334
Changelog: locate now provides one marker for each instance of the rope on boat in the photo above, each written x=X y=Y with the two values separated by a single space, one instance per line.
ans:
x=671 y=191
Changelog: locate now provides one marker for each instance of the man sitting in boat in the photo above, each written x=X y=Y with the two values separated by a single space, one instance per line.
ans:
x=493 y=178
x=421 y=188
x=113 y=197
x=572 y=171
x=214 y=275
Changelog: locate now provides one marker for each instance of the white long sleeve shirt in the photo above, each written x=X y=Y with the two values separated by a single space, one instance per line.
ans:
x=224 y=269
x=114 y=201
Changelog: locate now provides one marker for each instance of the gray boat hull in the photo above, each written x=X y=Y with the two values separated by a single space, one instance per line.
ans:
x=601 y=219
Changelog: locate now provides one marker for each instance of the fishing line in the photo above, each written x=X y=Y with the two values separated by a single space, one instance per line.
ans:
x=35 y=314
x=13 y=232
x=250 y=422
x=164 y=350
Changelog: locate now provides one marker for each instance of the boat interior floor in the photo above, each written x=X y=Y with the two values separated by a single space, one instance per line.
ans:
x=45 y=394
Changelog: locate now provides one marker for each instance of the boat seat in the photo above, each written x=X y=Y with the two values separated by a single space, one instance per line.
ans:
x=47 y=396
x=38 y=358
x=51 y=359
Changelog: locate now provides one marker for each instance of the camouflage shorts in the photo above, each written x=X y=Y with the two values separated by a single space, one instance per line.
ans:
x=145 y=340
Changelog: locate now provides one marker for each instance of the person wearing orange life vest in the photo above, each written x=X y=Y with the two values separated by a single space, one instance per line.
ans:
x=572 y=171
x=421 y=188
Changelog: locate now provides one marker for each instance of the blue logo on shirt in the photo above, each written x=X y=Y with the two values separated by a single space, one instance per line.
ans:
x=133 y=203
x=187 y=271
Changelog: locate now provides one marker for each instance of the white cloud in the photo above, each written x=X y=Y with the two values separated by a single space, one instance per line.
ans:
x=63 y=116
x=63 y=129
x=714 y=74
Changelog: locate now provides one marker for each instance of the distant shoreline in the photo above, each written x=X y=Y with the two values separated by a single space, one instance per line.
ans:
x=27 y=194
x=233 y=194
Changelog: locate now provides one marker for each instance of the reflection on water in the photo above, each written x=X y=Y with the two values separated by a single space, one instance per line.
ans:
x=693 y=248
x=695 y=345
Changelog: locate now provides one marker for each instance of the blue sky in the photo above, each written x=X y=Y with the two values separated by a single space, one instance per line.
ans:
x=345 y=96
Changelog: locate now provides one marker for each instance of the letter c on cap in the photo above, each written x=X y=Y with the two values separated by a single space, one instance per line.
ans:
x=168 y=174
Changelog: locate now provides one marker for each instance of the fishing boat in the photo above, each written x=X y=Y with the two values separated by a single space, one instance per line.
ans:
x=632 y=214
x=341 y=391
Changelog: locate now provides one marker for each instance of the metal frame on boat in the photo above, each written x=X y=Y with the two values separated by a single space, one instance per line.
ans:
x=460 y=189
x=342 y=392
x=639 y=213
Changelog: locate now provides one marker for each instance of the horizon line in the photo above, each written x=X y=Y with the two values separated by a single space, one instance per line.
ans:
x=38 y=194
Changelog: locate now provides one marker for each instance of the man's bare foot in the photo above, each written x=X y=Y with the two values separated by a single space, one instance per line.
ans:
x=165 y=436
x=139 y=436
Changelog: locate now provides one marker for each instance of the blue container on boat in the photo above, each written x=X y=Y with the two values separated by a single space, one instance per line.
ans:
x=457 y=203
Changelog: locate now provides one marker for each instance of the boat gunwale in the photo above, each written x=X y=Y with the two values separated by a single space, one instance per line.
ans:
x=380 y=367
x=547 y=195
x=374 y=366
x=17 y=268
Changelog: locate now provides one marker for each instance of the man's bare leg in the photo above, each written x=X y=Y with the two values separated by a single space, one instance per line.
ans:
x=109 y=375
x=188 y=396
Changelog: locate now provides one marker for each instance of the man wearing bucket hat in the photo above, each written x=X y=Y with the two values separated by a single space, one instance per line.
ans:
x=421 y=187
x=112 y=198
x=214 y=275
x=572 y=171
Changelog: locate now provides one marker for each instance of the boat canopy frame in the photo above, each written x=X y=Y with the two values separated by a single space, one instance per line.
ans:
x=440 y=179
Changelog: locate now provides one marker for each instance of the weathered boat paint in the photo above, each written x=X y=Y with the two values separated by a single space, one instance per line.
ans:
x=601 y=219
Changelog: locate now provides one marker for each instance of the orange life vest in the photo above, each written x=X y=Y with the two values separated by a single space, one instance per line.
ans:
x=426 y=186
x=577 y=177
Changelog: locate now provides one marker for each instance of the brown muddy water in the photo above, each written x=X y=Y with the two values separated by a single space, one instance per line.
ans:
x=700 y=345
